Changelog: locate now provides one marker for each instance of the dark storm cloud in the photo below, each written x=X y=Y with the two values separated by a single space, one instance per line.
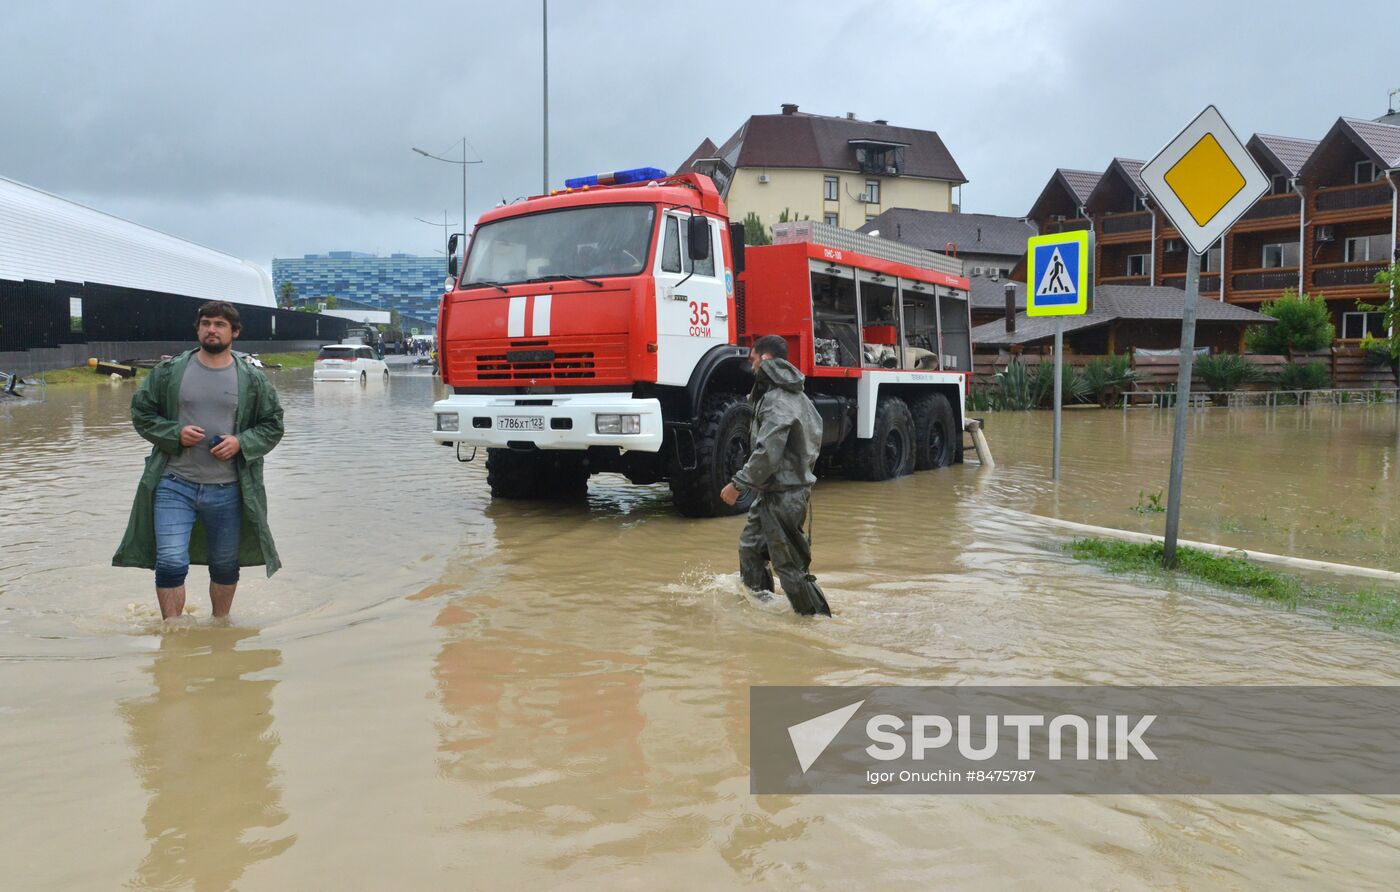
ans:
x=281 y=128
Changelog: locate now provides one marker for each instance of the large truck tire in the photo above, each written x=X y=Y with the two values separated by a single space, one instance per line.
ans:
x=721 y=448
x=535 y=476
x=890 y=452
x=935 y=432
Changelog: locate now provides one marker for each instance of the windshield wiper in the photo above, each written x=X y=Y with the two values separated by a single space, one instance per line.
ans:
x=503 y=288
x=558 y=276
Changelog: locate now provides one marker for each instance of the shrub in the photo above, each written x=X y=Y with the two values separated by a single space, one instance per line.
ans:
x=1106 y=378
x=1225 y=372
x=1014 y=386
x=1304 y=323
x=1308 y=376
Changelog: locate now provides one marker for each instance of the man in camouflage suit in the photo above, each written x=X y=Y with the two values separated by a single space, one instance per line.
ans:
x=786 y=438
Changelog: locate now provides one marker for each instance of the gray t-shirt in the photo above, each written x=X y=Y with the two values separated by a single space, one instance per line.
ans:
x=208 y=399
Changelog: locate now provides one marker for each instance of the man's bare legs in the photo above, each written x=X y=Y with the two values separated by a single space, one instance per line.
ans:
x=172 y=601
x=221 y=598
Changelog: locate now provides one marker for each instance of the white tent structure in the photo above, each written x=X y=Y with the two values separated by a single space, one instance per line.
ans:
x=46 y=238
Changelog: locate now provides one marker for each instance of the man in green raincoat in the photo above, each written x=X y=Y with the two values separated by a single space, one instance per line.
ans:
x=211 y=417
x=786 y=438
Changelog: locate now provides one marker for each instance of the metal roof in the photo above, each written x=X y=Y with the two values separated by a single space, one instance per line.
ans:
x=824 y=143
x=1155 y=303
x=1382 y=141
x=1289 y=152
x=706 y=149
x=46 y=238
x=969 y=233
x=1128 y=170
x=1079 y=184
x=990 y=294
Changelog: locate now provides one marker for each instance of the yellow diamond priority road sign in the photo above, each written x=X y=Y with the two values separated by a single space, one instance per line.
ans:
x=1204 y=180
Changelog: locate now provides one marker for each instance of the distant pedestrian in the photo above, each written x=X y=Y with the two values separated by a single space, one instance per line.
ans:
x=211 y=417
x=786 y=437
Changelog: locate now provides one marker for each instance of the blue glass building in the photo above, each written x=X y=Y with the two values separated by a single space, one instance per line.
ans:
x=404 y=282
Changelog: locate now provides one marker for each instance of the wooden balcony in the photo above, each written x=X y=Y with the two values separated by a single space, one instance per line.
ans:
x=1340 y=275
x=1269 y=212
x=1210 y=282
x=1360 y=201
x=1125 y=224
x=1272 y=279
x=1056 y=226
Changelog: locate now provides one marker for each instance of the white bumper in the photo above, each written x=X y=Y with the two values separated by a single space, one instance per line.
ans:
x=569 y=421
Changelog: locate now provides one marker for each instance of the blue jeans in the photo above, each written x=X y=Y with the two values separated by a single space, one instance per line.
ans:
x=178 y=502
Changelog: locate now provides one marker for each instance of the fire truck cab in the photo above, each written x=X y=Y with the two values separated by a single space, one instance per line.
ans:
x=604 y=328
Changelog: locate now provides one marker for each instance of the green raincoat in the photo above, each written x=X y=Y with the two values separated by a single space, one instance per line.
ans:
x=155 y=412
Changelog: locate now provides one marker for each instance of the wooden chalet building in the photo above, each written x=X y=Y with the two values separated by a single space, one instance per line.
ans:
x=1327 y=226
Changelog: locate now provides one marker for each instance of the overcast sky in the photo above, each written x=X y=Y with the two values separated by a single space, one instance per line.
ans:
x=277 y=129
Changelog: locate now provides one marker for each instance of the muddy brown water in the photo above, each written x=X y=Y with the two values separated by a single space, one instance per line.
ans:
x=438 y=692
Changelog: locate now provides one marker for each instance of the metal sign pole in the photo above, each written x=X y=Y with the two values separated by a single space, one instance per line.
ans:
x=1183 y=400
x=1059 y=383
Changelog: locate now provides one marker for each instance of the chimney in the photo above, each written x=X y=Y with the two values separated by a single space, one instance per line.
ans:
x=1010 y=291
x=850 y=116
x=789 y=108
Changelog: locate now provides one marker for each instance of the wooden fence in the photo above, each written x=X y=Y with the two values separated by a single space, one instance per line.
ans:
x=1348 y=366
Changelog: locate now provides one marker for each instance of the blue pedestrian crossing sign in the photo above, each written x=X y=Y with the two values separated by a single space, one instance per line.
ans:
x=1059 y=280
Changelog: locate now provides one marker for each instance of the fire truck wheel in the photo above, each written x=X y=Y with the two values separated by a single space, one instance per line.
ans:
x=935 y=435
x=534 y=476
x=890 y=453
x=721 y=448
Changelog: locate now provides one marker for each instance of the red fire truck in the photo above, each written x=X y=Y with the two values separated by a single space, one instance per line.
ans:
x=604 y=328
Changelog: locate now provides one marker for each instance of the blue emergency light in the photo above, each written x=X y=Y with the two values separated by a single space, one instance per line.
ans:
x=617 y=177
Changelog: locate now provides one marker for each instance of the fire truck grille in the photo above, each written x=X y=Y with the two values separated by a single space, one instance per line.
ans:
x=543 y=360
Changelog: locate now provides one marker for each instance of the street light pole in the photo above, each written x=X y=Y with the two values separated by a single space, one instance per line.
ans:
x=544 y=189
x=464 y=162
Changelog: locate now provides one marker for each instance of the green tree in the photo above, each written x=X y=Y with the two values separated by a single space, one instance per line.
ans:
x=755 y=233
x=287 y=293
x=1387 y=280
x=330 y=302
x=1304 y=324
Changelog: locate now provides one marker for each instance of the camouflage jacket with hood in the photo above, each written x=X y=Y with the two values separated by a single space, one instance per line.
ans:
x=786 y=434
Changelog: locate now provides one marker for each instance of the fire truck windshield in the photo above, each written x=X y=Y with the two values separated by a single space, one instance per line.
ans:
x=589 y=242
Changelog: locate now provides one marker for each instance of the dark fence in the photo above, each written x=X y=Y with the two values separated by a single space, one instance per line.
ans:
x=1133 y=222
x=36 y=314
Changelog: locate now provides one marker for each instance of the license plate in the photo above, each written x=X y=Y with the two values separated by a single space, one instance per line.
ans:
x=520 y=423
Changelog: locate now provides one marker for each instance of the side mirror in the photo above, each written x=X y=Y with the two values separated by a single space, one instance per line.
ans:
x=697 y=237
x=452 y=256
x=736 y=246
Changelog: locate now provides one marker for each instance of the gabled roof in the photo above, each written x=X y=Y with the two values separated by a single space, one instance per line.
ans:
x=1119 y=169
x=706 y=149
x=1077 y=184
x=970 y=233
x=824 y=143
x=1290 y=153
x=1153 y=303
x=1378 y=142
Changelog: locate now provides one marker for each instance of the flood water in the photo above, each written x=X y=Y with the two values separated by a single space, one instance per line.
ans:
x=438 y=692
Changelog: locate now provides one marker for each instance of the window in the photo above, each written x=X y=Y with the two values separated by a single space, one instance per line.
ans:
x=671 y=247
x=1210 y=260
x=607 y=240
x=1278 y=184
x=75 y=315
x=1356 y=326
x=704 y=267
x=1365 y=172
x=872 y=192
x=364 y=353
x=1137 y=264
x=1362 y=248
x=830 y=219
x=1283 y=255
x=830 y=186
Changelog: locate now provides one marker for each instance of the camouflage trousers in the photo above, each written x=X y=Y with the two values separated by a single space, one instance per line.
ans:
x=775 y=533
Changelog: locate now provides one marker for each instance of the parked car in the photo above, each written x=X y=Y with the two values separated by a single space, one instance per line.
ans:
x=346 y=362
